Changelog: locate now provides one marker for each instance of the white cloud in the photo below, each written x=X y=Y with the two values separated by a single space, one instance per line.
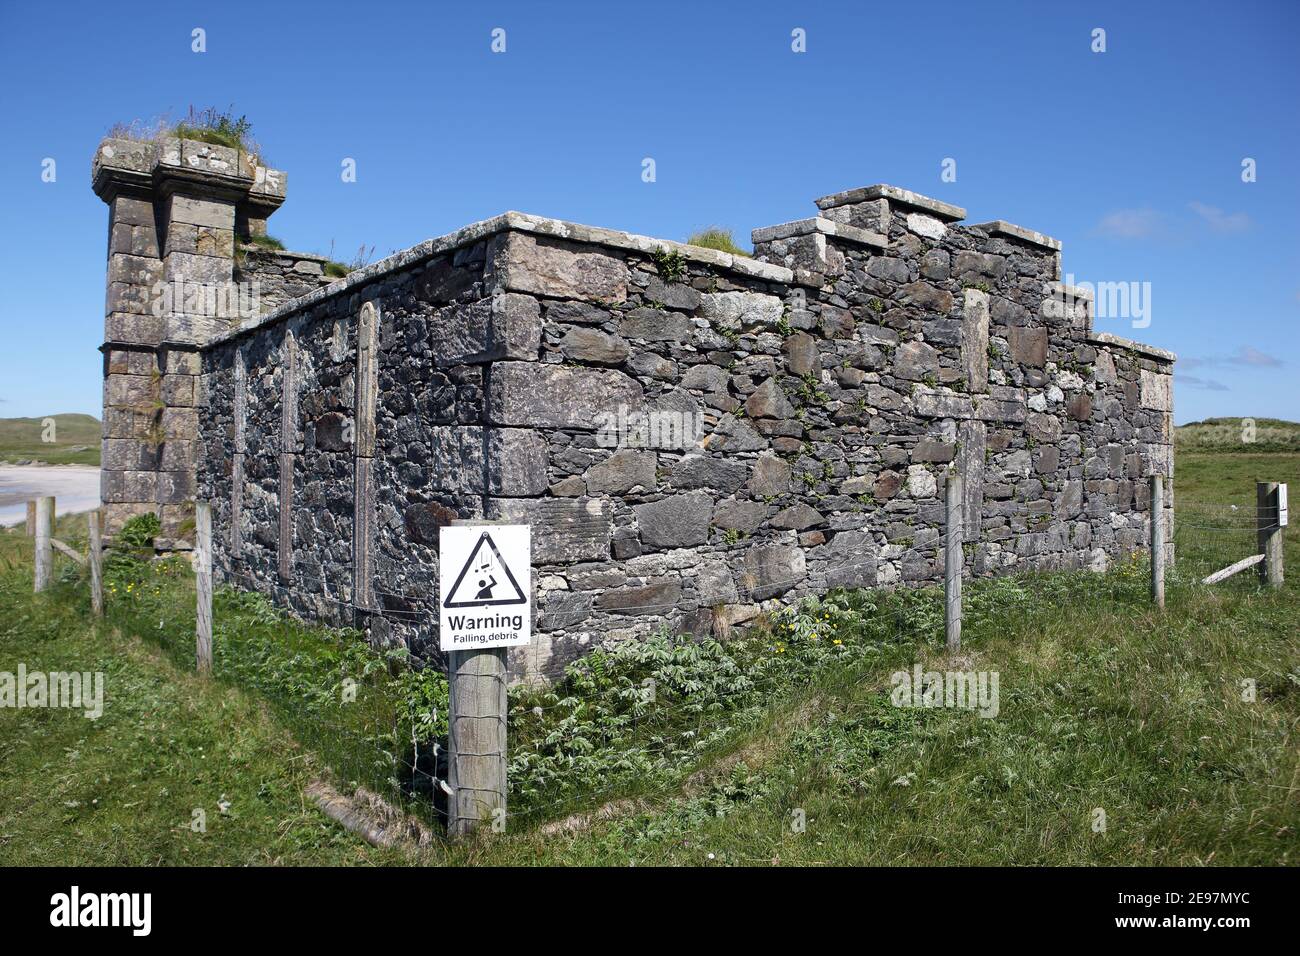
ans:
x=1209 y=384
x=1129 y=224
x=1245 y=355
x=1219 y=220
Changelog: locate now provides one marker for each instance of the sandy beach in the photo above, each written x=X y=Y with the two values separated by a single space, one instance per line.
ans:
x=75 y=488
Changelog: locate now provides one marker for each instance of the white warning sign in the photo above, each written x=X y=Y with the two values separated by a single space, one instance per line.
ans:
x=485 y=577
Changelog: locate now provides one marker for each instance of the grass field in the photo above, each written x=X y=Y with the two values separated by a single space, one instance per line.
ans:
x=75 y=440
x=1106 y=707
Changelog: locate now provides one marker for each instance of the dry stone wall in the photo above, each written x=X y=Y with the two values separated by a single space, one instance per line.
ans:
x=693 y=436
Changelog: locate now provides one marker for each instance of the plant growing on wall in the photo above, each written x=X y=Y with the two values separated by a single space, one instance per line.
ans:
x=670 y=265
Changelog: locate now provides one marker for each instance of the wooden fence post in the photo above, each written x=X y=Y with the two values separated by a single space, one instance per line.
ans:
x=1269 y=523
x=953 y=561
x=31 y=519
x=44 y=549
x=476 y=734
x=203 y=584
x=1158 y=540
x=476 y=738
x=96 y=558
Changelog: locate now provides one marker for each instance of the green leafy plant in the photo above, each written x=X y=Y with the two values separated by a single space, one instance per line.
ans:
x=670 y=265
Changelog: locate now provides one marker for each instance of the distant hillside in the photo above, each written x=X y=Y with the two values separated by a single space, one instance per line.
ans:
x=1229 y=434
x=76 y=440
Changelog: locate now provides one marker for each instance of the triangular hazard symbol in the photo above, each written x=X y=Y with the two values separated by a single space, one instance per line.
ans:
x=480 y=584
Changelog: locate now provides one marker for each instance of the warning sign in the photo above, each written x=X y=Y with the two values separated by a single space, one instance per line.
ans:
x=485 y=573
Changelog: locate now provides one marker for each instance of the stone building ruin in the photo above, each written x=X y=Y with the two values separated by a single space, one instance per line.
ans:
x=693 y=435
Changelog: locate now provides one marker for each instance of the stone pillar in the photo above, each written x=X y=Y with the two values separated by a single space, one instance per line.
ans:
x=174 y=213
x=364 y=505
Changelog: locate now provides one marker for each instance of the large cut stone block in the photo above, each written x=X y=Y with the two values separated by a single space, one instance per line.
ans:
x=528 y=393
x=556 y=268
x=1157 y=391
x=676 y=522
x=975 y=340
x=936 y=403
x=507 y=326
x=972 y=444
x=658 y=597
x=564 y=530
x=202 y=212
x=505 y=461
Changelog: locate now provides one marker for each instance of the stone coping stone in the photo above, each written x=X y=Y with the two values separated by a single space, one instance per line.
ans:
x=253 y=248
x=904 y=197
x=1059 y=290
x=1151 y=351
x=1000 y=227
x=806 y=227
x=138 y=162
x=520 y=222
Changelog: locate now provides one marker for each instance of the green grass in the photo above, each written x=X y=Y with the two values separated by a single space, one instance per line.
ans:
x=715 y=237
x=1105 y=703
x=264 y=242
x=77 y=440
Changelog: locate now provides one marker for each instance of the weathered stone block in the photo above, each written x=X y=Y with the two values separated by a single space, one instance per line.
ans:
x=772 y=569
x=928 y=449
x=1028 y=345
x=652 y=325
x=703 y=471
x=771 y=476
x=585 y=344
x=624 y=471
x=564 y=530
x=1157 y=390
x=658 y=597
x=676 y=522
x=743 y=516
x=802 y=355
x=674 y=295
x=741 y=310
x=564 y=609
x=768 y=401
x=926 y=296
x=941 y=403
x=546 y=266
x=537 y=395
x=797 y=517
x=915 y=361
x=975 y=340
x=851 y=560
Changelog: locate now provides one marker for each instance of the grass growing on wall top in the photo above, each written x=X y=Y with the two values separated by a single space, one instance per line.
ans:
x=207 y=125
x=715 y=237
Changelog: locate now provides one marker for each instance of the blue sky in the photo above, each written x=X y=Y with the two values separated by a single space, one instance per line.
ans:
x=1131 y=157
